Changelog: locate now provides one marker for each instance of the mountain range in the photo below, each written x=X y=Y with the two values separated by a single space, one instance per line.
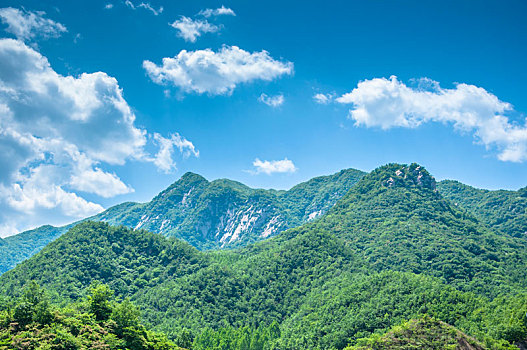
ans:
x=226 y=214
x=391 y=249
x=209 y=215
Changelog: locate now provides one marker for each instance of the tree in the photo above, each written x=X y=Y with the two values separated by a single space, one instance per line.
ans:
x=33 y=306
x=184 y=339
x=126 y=315
x=99 y=301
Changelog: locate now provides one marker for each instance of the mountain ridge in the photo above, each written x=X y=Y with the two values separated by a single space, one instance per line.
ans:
x=16 y=248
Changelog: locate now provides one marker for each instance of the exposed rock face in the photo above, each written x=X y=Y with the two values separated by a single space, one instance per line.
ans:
x=412 y=175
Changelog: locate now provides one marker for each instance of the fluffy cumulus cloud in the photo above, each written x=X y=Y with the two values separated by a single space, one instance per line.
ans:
x=221 y=11
x=216 y=73
x=190 y=29
x=143 y=5
x=58 y=134
x=272 y=101
x=26 y=25
x=273 y=166
x=388 y=103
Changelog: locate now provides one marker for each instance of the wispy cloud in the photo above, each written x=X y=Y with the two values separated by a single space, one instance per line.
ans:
x=221 y=11
x=26 y=25
x=273 y=166
x=323 y=99
x=388 y=103
x=144 y=5
x=190 y=29
x=216 y=73
x=272 y=101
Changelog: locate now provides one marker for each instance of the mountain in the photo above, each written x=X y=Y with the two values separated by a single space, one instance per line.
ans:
x=501 y=210
x=390 y=250
x=225 y=213
x=395 y=218
x=208 y=215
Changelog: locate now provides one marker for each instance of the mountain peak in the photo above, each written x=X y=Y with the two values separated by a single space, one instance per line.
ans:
x=190 y=176
x=402 y=175
x=188 y=181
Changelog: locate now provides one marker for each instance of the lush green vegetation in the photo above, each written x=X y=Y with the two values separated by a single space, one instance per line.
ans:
x=505 y=211
x=391 y=250
x=96 y=322
x=244 y=338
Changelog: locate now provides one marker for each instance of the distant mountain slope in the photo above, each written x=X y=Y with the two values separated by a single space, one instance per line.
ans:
x=19 y=247
x=392 y=249
x=208 y=215
x=502 y=210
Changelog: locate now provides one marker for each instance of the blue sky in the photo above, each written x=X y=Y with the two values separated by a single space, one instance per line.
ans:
x=440 y=83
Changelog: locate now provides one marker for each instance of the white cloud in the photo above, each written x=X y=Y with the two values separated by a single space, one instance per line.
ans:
x=57 y=135
x=26 y=25
x=216 y=73
x=164 y=158
x=323 y=99
x=388 y=103
x=273 y=166
x=222 y=11
x=145 y=5
x=35 y=200
x=190 y=29
x=39 y=192
x=108 y=6
x=272 y=101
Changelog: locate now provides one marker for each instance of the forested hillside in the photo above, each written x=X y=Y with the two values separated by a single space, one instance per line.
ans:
x=217 y=214
x=395 y=218
x=391 y=250
x=502 y=210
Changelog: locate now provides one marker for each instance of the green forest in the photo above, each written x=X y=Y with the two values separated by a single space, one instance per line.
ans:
x=399 y=262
